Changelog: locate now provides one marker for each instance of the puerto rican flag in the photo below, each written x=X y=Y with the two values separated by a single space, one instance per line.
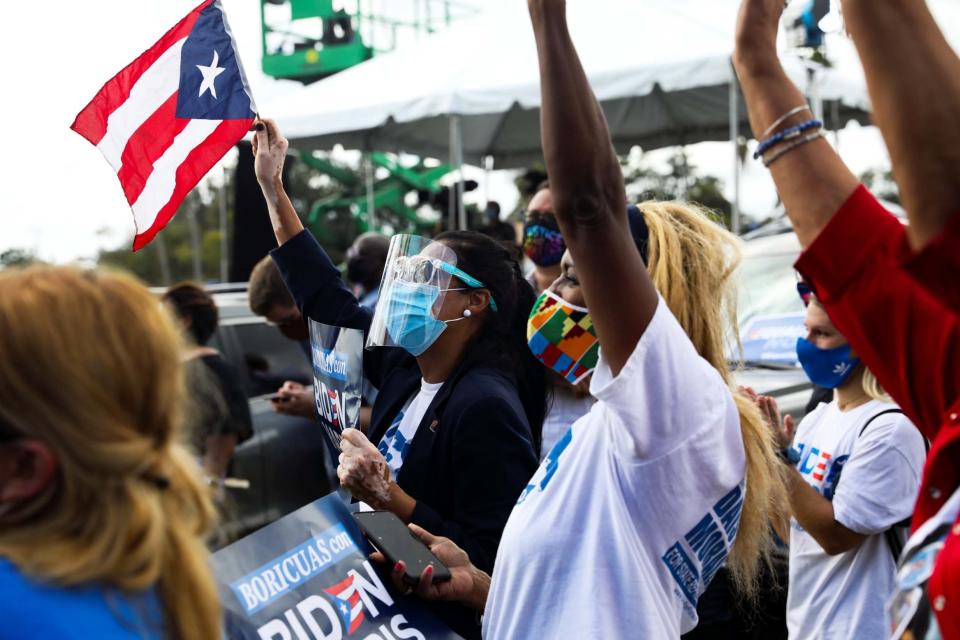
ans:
x=348 y=604
x=170 y=115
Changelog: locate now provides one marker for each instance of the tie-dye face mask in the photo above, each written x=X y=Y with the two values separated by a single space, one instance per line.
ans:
x=542 y=242
x=562 y=337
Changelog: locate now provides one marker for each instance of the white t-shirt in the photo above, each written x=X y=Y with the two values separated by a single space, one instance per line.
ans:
x=565 y=409
x=843 y=596
x=634 y=509
x=398 y=438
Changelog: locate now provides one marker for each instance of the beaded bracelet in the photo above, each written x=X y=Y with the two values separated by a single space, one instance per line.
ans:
x=787 y=148
x=786 y=134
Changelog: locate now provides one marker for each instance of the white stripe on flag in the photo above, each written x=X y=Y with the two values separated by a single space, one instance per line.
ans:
x=162 y=182
x=355 y=611
x=160 y=81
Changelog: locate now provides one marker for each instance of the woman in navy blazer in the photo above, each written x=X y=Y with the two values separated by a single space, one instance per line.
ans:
x=478 y=443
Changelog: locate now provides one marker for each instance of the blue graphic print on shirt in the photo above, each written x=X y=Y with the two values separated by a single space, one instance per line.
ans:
x=394 y=446
x=710 y=541
x=548 y=468
x=820 y=469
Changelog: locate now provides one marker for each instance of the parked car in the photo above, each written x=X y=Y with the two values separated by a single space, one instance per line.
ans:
x=770 y=314
x=287 y=461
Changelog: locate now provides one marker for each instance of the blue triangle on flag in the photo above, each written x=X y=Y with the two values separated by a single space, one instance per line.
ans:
x=212 y=84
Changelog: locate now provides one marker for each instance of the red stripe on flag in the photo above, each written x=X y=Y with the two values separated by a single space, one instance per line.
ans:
x=146 y=146
x=354 y=598
x=340 y=586
x=355 y=624
x=192 y=170
x=91 y=123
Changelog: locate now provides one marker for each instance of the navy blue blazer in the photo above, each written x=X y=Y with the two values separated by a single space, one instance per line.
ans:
x=473 y=452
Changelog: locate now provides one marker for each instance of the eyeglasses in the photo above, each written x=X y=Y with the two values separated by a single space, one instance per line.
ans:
x=422 y=270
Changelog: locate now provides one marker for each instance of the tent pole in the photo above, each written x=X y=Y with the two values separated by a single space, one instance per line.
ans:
x=487 y=169
x=735 y=142
x=452 y=202
x=371 y=202
x=456 y=159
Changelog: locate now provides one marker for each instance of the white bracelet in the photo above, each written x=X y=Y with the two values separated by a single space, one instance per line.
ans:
x=779 y=121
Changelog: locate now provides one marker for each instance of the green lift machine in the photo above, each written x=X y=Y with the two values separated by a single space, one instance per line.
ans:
x=309 y=40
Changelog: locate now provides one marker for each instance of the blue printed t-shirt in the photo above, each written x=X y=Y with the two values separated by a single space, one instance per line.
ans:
x=633 y=511
x=32 y=609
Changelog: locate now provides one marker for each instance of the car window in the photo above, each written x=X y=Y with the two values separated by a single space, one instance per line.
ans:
x=769 y=309
x=266 y=357
x=768 y=286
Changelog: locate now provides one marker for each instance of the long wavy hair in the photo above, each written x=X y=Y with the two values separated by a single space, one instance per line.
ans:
x=691 y=260
x=91 y=366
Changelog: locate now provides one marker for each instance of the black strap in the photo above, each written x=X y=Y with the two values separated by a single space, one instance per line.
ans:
x=894 y=534
x=871 y=420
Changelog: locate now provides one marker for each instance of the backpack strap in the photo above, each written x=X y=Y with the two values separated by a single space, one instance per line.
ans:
x=894 y=534
x=871 y=420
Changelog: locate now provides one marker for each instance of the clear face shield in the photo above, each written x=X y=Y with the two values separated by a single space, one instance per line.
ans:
x=415 y=283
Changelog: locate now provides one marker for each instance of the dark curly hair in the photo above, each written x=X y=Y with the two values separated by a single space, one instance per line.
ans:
x=502 y=342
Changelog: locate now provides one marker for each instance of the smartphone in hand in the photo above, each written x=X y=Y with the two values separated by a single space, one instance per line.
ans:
x=279 y=398
x=389 y=535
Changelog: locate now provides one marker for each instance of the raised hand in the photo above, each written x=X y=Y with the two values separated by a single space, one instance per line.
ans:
x=270 y=152
x=783 y=427
x=757 y=26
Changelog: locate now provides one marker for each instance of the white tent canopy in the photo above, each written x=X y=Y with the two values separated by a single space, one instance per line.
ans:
x=661 y=69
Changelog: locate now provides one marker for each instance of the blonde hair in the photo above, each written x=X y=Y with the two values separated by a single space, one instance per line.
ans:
x=871 y=386
x=691 y=260
x=91 y=366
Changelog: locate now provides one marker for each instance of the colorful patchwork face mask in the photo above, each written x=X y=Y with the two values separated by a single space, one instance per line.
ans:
x=562 y=337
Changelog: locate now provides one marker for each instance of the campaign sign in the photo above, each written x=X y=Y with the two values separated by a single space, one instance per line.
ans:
x=773 y=338
x=337 y=355
x=307 y=577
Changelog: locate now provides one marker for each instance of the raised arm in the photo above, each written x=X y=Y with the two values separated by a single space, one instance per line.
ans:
x=588 y=191
x=310 y=275
x=812 y=180
x=270 y=152
x=914 y=80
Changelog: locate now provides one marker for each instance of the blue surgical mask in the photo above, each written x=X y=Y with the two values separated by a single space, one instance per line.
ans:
x=827 y=368
x=410 y=320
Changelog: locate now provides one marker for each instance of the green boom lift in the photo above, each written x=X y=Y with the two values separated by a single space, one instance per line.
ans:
x=308 y=40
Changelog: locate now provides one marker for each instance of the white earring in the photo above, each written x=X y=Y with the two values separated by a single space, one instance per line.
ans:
x=467 y=313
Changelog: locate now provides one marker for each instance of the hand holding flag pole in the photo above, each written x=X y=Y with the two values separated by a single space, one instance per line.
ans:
x=170 y=115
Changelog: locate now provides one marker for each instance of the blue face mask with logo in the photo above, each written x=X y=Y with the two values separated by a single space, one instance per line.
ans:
x=827 y=368
x=410 y=320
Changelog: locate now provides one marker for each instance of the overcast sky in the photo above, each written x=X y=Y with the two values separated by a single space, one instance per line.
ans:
x=62 y=200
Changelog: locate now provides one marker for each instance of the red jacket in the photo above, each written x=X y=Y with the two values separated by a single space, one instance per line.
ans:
x=901 y=313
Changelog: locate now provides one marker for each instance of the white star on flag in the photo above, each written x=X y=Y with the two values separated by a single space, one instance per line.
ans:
x=210 y=74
